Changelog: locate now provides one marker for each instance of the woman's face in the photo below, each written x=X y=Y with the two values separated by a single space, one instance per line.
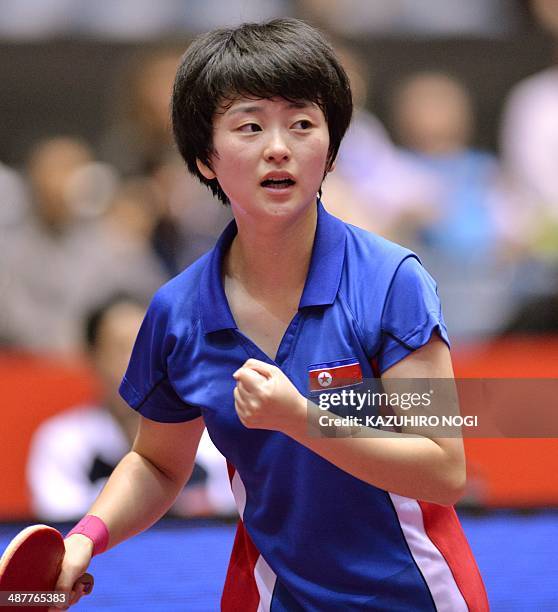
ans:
x=269 y=156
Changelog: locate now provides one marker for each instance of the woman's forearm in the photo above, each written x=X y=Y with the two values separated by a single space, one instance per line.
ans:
x=407 y=464
x=136 y=495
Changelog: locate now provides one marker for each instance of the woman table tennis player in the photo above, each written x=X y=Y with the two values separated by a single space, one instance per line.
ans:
x=290 y=295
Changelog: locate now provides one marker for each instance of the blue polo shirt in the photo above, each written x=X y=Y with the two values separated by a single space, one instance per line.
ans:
x=311 y=537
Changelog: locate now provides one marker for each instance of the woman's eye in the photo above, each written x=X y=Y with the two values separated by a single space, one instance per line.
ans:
x=303 y=124
x=250 y=127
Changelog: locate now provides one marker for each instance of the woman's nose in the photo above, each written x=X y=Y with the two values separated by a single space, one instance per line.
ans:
x=277 y=148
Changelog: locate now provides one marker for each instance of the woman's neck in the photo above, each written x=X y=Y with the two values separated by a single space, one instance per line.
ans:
x=273 y=259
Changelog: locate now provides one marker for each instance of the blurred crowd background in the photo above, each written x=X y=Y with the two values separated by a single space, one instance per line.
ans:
x=453 y=151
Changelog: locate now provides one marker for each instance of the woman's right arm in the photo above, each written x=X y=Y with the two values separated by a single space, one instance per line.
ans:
x=141 y=489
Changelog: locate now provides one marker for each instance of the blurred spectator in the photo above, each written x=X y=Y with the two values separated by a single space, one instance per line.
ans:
x=140 y=138
x=73 y=453
x=433 y=119
x=187 y=219
x=529 y=144
x=373 y=186
x=190 y=219
x=58 y=264
x=464 y=245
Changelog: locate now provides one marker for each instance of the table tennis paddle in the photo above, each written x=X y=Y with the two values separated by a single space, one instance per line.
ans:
x=32 y=562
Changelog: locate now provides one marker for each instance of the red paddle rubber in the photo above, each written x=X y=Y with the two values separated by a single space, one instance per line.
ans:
x=32 y=562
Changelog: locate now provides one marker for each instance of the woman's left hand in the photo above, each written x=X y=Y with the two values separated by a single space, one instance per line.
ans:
x=264 y=398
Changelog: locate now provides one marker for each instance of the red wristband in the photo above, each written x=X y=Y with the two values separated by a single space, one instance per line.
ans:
x=95 y=529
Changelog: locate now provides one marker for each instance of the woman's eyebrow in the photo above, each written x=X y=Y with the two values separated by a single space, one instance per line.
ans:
x=245 y=109
x=300 y=105
x=258 y=108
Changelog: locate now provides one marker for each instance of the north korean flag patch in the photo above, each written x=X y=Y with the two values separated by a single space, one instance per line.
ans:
x=334 y=375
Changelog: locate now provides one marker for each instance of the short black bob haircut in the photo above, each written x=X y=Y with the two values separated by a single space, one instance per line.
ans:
x=284 y=58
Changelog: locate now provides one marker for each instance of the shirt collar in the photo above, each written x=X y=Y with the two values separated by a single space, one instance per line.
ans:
x=322 y=282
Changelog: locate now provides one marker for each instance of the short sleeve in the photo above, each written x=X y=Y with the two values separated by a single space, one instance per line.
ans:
x=412 y=312
x=146 y=386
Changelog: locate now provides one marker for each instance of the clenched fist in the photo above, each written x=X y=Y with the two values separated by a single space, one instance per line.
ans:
x=264 y=398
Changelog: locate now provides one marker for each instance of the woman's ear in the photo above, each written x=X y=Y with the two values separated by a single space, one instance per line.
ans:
x=329 y=168
x=205 y=170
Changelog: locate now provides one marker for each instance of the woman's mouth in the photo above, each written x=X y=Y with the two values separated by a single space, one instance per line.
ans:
x=277 y=183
